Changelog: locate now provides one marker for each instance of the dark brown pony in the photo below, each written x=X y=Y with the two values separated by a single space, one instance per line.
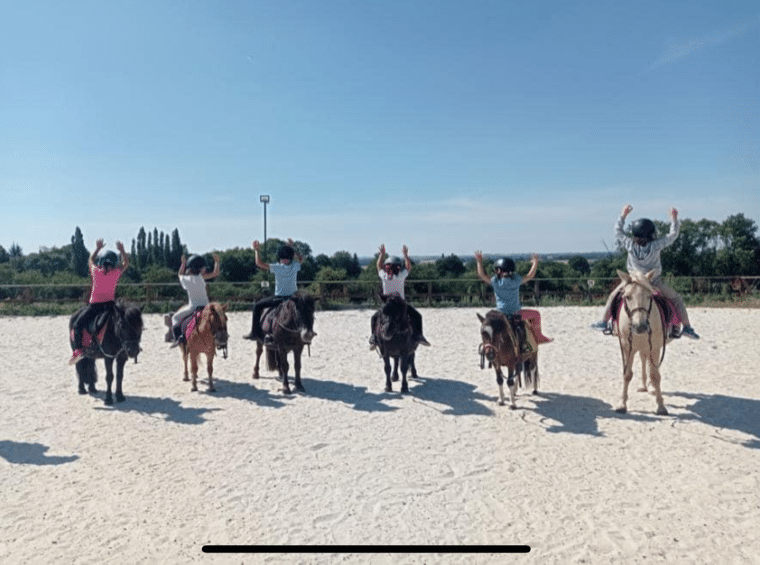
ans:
x=206 y=332
x=502 y=349
x=291 y=324
x=393 y=335
x=114 y=335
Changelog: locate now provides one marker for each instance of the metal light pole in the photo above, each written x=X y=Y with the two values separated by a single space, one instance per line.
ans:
x=265 y=199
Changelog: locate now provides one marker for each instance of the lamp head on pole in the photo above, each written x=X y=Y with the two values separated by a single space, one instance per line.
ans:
x=264 y=198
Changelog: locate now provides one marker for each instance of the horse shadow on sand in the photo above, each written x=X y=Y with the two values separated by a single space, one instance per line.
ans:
x=23 y=453
x=170 y=409
x=725 y=412
x=357 y=397
x=251 y=391
x=461 y=398
x=568 y=413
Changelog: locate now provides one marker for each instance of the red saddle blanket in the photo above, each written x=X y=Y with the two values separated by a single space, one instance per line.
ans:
x=668 y=312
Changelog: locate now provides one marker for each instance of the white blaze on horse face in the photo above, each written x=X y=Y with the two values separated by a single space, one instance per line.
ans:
x=487 y=330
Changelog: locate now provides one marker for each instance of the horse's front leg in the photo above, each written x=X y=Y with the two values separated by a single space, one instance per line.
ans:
x=259 y=350
x=395 y=369
x=643 y=375
x=512 y=386
x=210 y=369
x=404 y=369
x=297 y=369
x=194 y=370
x=120 y=362
x=184 y=361
x=654 y=371
x=387 y=367
x=109 y=380
x=412 y=365
x=627 y=377
x=284 y=370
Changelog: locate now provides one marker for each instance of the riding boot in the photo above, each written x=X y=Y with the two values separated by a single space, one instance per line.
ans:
x=178 y=337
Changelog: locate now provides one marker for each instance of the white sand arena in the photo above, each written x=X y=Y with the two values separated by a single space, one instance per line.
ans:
x=155 y=478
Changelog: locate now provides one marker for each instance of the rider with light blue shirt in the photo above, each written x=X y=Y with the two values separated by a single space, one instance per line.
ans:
x=285 y=279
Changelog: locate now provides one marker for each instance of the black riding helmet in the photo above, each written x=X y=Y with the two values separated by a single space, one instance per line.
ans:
x=108 y=259
x=196 y=263
x=644 y=228
x=505 y=264
x=286 y=252
x=395 y=264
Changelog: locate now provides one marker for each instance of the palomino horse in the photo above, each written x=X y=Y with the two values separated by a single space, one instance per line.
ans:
x=291 y=324
x=501 y=346
x=206 y=332
x=393 y=335
x=113 y=335
x=642 y=329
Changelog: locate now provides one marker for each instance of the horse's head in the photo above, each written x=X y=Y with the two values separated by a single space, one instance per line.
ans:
x=128 y=328
x=638 y=299
x=216 y=319
x=492 y=330
x=305 y=306
x=394 y=316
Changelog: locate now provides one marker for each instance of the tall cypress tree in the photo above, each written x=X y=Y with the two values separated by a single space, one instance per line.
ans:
x=79 y=254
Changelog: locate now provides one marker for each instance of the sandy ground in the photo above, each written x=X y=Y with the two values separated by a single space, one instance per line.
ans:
x=154 y=479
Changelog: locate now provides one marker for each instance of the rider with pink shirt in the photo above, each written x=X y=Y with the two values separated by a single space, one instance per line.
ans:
x=105 y=275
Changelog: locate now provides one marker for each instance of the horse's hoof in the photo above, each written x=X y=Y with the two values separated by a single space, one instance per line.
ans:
x=255 y=375
x=211 y=389
x=186 y=379
x=621 y=410
x=194 y=389
x=512 y=407
x=641 y=389
x=388 y=389
x=404 y=389
x=394 y=378
x=662 y=411
x=287 y=391
x=535 y=392
x=501 y=403
x=108 y=401
x=92 y=389
x=120 y=398
x=82 y=391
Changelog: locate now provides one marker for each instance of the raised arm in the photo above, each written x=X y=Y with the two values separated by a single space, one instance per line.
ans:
x=98 y=246
x=381 y=258
x=407 y=261
x=479 y=263
x=293 y=245
x=215 y=273
x=124 y=256
x=534 y=266
x=182 y=265
x=259 y=263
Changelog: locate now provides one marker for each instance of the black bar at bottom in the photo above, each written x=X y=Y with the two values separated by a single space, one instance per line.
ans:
x=366 y=549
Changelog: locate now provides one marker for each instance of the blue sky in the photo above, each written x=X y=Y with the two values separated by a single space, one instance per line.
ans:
x=446 y=125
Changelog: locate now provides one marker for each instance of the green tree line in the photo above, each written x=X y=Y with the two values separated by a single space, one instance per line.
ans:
x=704 y=248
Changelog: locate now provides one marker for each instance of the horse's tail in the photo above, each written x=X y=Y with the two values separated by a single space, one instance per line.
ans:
x=86 y=371
x=273 y=360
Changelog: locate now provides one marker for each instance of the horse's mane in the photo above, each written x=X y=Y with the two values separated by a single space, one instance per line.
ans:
x=131 y=313
x=394 y=305
x=641 y=279
x=303 y=304
x=497 y=320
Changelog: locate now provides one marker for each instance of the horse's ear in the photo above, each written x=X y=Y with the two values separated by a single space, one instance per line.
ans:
x=481 y=318
x=650 y=275
x=224 y=307
x=623 y=275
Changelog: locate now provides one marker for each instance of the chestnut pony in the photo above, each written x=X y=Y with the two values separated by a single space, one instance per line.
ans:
x=205 y=333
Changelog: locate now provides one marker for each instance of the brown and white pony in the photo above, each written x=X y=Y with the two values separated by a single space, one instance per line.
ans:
x=502 y=349
x=206 y=332
x=642 y=329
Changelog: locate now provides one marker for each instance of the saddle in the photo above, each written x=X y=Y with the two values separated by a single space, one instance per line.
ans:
x=524 y=338
x=671 y=321
x=185 y=326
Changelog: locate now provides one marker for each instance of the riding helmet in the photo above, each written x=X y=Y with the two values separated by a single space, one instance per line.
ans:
x=394 y=261
x=196 y=263
x=286 y=252
x=644 y=228
x=108 y=259
x=505 y=264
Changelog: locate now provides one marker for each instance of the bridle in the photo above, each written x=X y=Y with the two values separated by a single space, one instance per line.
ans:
x=219 y=330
